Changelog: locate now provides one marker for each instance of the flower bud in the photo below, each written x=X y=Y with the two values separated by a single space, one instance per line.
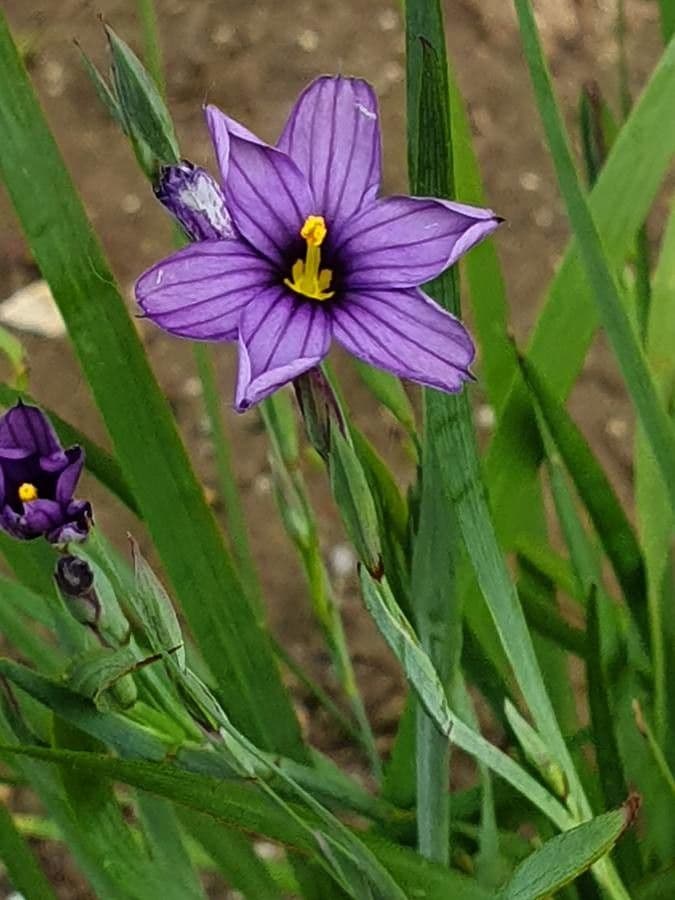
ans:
x=319 y=408
x=75 y=580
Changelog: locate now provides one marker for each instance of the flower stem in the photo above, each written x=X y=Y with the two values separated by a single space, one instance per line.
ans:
x=234 y=515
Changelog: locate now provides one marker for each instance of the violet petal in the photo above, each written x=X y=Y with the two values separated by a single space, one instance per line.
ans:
x=407 y=241
x=267 y=195
x=67 y=480
x=333 y=135
x=27 y=427
x=200 y=291
x=408 y=334
x=41 y=516
x=280 y=336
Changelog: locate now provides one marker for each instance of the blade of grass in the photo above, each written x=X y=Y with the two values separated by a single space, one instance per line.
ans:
x=233 y=854
x=626 y=188
x=656 y=424
x=595 y=490
x=235 y=520
x=421 y=675
x=437 y=547
x=667 y=10
x=24 y=872
x=655 y=518
x=610 y=768
x=137 y=415
x=455 y=441
x=487 y=291
x=165 y=844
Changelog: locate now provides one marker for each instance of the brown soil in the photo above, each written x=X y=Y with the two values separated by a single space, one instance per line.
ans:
x=252 y=59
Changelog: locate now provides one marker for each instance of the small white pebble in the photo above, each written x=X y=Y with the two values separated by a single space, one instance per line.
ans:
x=222 y=34
x=543 y=217
x=617 y=428
x=262 y=484
x=393 y=72
x=307 y=40
x=387 y=20
x=53 y=72
x=192 y=387
x=342 y=560
x=529 y=181
x=485 y=417
x=131 y=203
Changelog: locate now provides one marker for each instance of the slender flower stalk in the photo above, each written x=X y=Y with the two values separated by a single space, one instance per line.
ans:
x=294 y=249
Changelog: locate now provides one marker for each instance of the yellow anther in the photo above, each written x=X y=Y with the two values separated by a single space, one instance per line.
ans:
x=27 y=492
x=307 y=278
x=314 y=230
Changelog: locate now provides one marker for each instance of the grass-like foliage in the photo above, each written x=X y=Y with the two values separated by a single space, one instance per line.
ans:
x=150 y=716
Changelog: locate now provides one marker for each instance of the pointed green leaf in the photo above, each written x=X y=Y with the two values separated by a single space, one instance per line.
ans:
x=567 y=855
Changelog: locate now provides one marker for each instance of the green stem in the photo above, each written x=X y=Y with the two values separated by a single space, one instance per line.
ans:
x=234 y=514
x=316 y=690
x=152 y=51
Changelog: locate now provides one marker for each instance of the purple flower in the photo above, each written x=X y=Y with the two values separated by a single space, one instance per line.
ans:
x=37 y=480
x=315 y=254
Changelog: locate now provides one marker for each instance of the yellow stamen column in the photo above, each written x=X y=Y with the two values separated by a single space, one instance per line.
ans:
x=308 y=278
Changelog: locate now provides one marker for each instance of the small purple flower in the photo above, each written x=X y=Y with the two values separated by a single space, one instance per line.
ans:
x=315 y=255
x=37 y=480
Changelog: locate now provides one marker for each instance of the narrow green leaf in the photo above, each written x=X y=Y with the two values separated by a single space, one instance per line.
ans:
x=355 y=501
x=421 y=675
x=604 y=724
x=165 y=845
x=667 y=11
x=655 y=517
x=103 y=90
x=435 y=597
x=567 y=855
x=138 y=417
x=24 y=872
x=127 y=869
x=487 y=291
x=236 y=527
x=233 y=854
x=619 y=203
x=145 y=114
x=657 y=426
x=596 y=492
x=390 y=392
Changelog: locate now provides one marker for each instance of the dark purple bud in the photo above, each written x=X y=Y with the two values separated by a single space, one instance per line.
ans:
x=194 y=198
x=75 y=580
x=37 y=480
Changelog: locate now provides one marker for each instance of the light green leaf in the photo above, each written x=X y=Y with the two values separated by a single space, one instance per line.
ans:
x=567 y=855
x=401 y=638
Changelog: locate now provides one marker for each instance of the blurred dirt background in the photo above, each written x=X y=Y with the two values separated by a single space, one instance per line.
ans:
x=252 y=58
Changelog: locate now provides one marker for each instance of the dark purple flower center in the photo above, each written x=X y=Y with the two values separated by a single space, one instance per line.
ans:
x=26 y=480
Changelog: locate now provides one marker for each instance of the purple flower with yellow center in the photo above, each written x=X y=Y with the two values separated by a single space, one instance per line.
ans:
x=297 y=250
x=37 y=480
